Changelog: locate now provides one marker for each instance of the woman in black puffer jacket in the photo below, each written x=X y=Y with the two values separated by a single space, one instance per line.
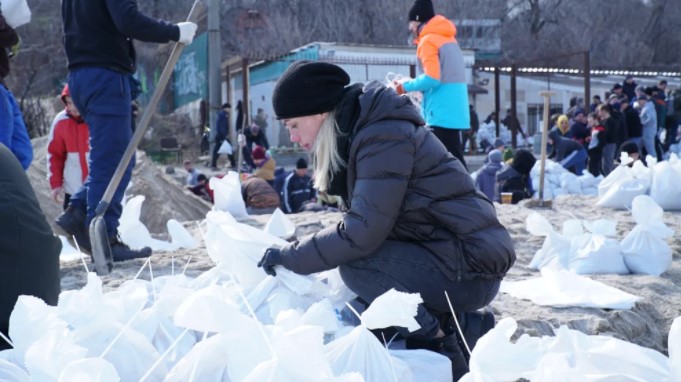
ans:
x=414 y=222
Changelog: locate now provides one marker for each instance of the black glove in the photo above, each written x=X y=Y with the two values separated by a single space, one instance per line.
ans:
x=271 y=258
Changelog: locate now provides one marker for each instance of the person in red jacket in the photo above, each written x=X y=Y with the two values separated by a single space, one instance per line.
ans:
x=67 y=151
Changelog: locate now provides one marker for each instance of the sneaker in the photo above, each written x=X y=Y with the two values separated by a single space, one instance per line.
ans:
x=71 y=223
x=121 y=252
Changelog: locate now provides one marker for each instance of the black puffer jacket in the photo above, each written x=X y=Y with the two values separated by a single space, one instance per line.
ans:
x=403 y=185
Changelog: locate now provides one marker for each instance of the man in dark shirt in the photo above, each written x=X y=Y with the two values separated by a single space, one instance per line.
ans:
x=633 y=122
x=221 y=135
x=297 y=189
x=98 y=39
x=611 y=133
x=254 y=137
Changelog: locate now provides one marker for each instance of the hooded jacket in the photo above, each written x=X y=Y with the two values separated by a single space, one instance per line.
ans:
x=443 y=82
x=402 y=185
x=487 y=179
x=562 y=147
x=68 y=151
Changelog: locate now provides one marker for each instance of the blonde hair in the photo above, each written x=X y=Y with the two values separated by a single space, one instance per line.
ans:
x=561 y=119
x=326 y=159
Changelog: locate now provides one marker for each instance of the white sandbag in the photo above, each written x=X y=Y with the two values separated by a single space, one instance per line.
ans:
x=645 y=249
x=675 y=349
x=666 y=187
x=425 y=365
x=133 y=232
x=211 y=310
x=16 y=12
x=596 y=252
x=619 y=174
x=30 y=320
x=12 y=373
x=179 y=236
x=555 y=367
x=89 y=370
x=561 y=289
x=47 y=357
x=556 y=247
x=280 y=225
x=621 y=194
x=225 y=148
x=132 y=354
x=597 y=358
x=227 y=194
x=393 y=308
x=205 y=362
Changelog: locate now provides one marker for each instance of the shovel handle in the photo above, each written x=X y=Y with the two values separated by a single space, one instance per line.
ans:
x=144 y=122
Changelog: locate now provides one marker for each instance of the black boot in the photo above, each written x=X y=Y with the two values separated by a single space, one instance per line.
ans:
x=71 y=223
x=473 y=325
x=447 y=346
x=121 y=252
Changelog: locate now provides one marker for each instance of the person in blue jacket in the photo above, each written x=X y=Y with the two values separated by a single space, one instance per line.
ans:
x=98 y=39
x=297 y=189
x=13 y=132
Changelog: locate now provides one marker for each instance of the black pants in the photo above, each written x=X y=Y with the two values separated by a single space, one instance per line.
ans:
x=451 y=138
x=408 y=267
x=29 y=252
x=595 y=159
x=216 y=155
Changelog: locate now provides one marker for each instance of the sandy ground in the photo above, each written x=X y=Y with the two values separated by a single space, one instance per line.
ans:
x=647 y=324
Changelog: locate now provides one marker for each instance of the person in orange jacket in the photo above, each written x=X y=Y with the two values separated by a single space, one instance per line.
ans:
x=67 y=151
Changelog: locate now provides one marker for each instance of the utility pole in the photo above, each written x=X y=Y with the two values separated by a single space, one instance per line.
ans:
x=214 y=72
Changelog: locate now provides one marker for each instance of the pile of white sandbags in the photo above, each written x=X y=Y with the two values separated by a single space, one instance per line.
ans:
x=660 y=180
x=488 y=132
x=559 y=181
x=644 y=250
x=233 y=323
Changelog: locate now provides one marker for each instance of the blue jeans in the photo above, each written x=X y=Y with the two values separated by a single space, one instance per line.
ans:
x=408 y=267
x=13 y=132
x=575 y=161
x=104 y=100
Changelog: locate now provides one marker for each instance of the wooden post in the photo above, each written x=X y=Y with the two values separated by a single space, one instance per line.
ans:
x=497 y=98
x=514 y=106
x=545 y=130
x=587 y=79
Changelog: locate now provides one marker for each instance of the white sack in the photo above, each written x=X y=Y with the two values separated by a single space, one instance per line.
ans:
x=645 y=248
x=227 y=193
x=89 y=370
x=562 y=289
x=666 y=187
x=16 y=12
x=280 y=225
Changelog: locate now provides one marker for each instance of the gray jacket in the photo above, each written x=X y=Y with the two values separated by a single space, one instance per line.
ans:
x=403 y=185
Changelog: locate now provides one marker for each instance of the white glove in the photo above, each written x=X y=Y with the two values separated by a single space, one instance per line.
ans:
x=187 y=32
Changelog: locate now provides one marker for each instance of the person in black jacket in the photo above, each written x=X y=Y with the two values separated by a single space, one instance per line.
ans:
x=632 y=121
x=569 y=153
x=29 y=252
x=415 y=221
x=254 y=137
x=221 y=135
x=297 y=189
x=98 y=39
x=611 y=133
x=515 y=178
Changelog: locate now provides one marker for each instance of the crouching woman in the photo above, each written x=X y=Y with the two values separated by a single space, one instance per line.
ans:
x=414 y=222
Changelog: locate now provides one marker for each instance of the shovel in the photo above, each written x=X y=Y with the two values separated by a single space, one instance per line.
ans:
x=545 y=131
x=99 y=238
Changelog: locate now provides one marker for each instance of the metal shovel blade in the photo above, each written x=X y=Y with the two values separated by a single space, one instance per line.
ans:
x=101 y=250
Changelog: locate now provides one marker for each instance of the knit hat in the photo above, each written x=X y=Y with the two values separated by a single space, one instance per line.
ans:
x=258 y=153
x=421 y=11
x=301 y=163
x=629 y=148
x=308 y=88
x=498 y=142
x=494 y=156
x=523 y=161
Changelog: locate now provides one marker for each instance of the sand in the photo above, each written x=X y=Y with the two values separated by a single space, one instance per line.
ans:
x=647 y=324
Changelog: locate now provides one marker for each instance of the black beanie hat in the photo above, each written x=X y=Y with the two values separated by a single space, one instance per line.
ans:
x=301 y=163
x=308 y=88
x=421 y=11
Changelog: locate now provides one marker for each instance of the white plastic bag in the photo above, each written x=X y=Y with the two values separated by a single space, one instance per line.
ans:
x=179 y=236
x=227 y=193
x=556 y=247
x=666 y=187
x=621 y=194
x=133 y=232
x=280 y=225
x=225 y=148
x=12 y=373
x=89 y=370
x=595 y=252
x=675 y=349
x=16 y=12
x=619 y=174
x=645 y=249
